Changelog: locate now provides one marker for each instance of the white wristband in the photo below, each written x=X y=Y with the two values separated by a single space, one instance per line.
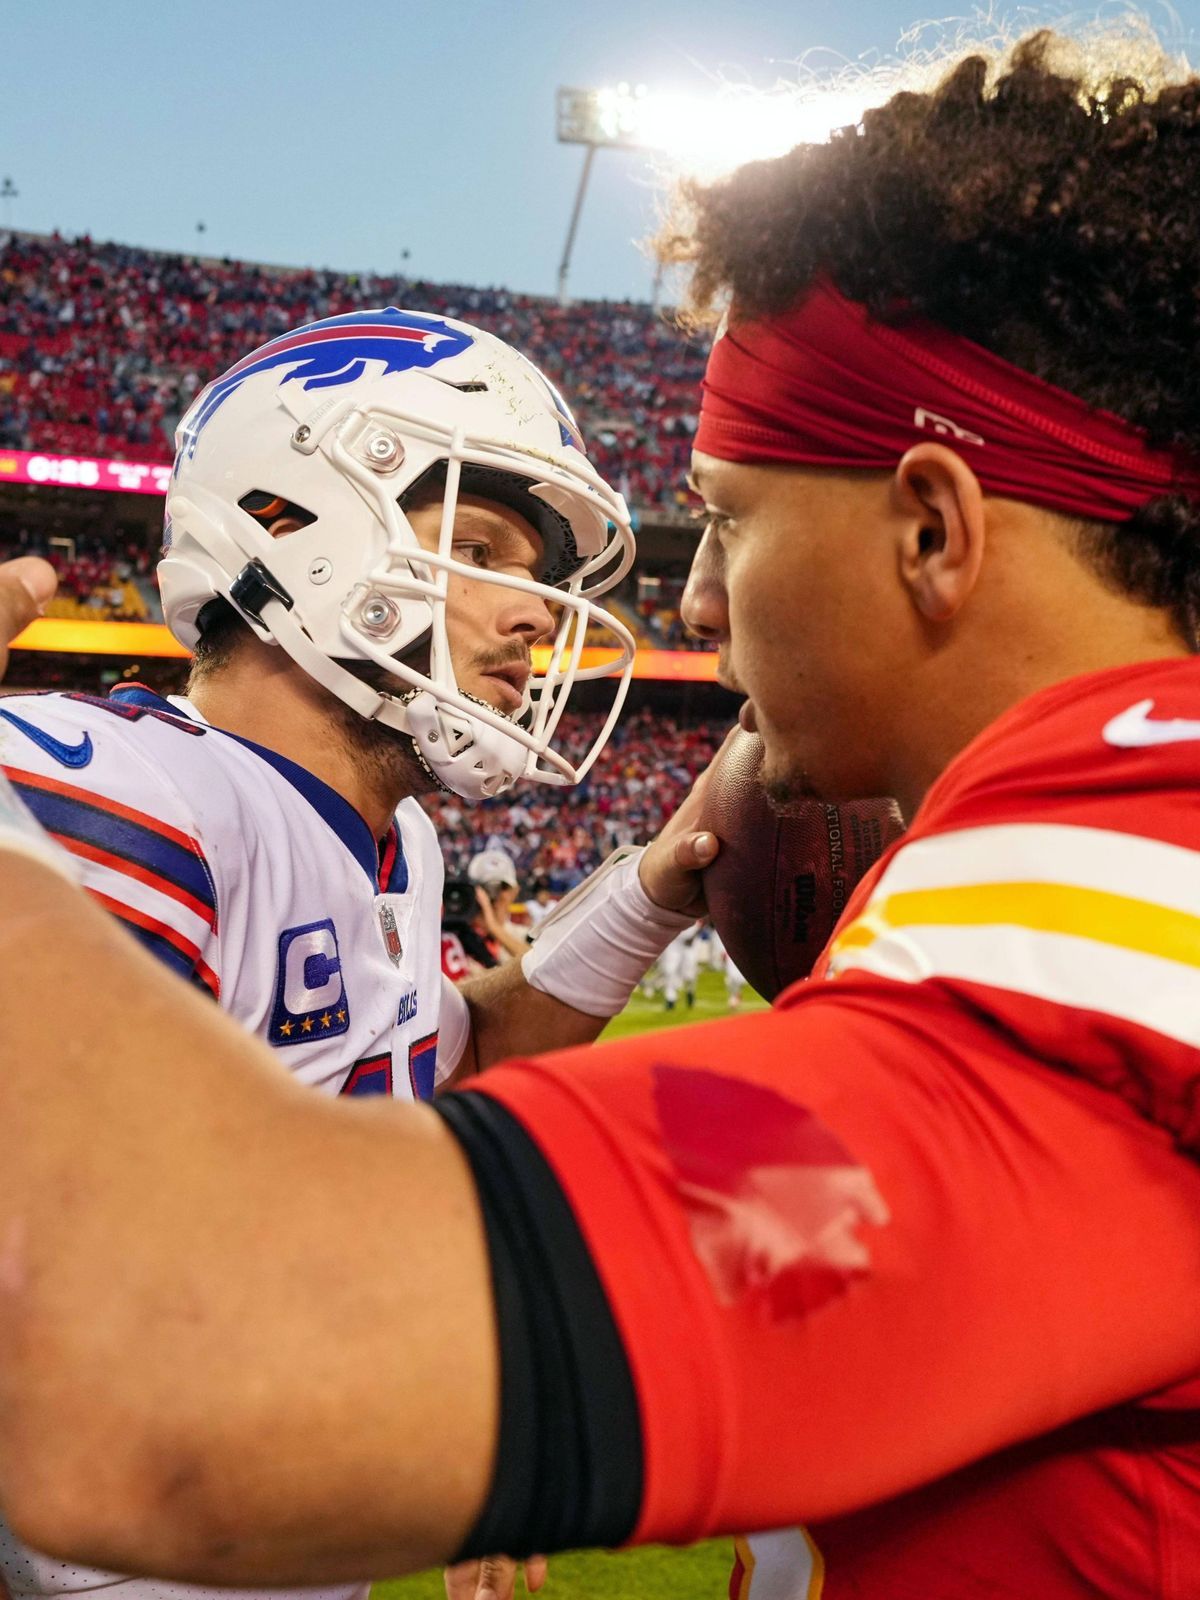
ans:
x=593 y=948
x=20 y=830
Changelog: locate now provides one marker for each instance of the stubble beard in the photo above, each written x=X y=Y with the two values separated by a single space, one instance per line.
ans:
x=387 y=756
x=384 y=756
x=789 y=785
x=786 y=791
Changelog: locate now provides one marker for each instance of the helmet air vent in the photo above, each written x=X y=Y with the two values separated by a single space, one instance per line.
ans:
x=474 y=387
x=268 y=509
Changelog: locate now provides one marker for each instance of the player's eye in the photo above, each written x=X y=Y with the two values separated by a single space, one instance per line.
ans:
x=715 y=522
x=472 y=553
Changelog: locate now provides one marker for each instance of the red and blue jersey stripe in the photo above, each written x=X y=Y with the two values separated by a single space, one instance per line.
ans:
x=138 y=846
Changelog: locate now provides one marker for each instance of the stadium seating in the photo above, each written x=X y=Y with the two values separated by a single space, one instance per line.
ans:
x=97 y=582
x=101 y=346
x=558 y=836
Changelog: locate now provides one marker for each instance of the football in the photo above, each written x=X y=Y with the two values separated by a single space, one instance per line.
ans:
x=781 y=881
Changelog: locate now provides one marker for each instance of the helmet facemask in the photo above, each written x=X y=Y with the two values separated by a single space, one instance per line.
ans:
x=388 y=606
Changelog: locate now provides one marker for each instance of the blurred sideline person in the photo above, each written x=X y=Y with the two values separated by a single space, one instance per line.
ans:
x=495 y=879
x=722 y=962
x=465 y=951
x=678 y=967
x=365 y=534
x=932 y=1223
x=541 y=903
x=735 y=984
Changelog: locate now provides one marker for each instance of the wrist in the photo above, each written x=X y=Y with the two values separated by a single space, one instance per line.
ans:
x=594 y=948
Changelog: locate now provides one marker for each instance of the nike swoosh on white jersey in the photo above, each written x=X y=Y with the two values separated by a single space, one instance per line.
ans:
x=1134 y=730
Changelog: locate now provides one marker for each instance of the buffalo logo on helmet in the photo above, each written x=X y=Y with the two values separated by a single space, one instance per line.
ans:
x=325 y=354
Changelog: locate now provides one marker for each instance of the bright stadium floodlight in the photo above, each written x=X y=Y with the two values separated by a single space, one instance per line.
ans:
x=593 y=118
x=712 y=134
x=702 y=134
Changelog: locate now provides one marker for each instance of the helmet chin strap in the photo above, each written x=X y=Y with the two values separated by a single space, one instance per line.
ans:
x=463 y=753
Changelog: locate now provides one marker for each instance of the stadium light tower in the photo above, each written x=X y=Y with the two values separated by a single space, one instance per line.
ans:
x=598 y=119
x=8 y=193
x=704 y=134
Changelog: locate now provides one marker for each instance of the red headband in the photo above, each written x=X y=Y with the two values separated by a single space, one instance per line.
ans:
x=826 y=385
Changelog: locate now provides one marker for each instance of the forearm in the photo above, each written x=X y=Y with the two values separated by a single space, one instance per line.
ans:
x=515 y=943
x=285 y=1264
x=509 y=1017
x=578 y=973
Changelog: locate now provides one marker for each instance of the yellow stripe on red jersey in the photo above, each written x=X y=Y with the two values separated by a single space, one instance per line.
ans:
x=997 y=1100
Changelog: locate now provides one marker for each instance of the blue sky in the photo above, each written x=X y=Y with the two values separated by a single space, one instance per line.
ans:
x=340 y=133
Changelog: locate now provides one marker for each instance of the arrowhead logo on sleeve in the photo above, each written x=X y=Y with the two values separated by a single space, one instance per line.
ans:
x=774 y=1201
x=310 y=995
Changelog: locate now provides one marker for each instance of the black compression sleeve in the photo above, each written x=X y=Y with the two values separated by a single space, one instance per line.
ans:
x=569 y=1458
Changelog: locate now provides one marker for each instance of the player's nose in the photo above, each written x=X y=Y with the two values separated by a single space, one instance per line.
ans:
x=704 y=606
x=525 y=616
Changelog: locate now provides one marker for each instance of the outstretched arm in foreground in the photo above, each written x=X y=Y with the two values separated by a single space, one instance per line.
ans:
x=248 y=1335
x=229 y=1309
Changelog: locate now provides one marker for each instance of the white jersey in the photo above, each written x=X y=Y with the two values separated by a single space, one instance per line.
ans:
x=260 y=884
x=537 y=911
x=722 y=961
x=680 y=961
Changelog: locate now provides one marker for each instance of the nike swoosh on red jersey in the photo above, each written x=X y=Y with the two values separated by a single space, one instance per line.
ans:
x=1134 y=729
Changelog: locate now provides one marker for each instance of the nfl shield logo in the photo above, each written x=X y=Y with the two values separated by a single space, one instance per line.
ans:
x=391 y=934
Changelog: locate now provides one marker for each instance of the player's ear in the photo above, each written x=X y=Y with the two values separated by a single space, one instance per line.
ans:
x=941 y=547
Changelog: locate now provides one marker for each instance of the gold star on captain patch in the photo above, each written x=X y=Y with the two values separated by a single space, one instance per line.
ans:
x=341 y=1016
x=306 y=1025
x=285 y=1029
x=326 y=1020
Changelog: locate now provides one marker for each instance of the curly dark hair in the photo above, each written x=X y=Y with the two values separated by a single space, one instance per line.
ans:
x=1055 y=223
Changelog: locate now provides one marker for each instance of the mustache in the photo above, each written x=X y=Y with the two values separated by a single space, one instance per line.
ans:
x=504 y=655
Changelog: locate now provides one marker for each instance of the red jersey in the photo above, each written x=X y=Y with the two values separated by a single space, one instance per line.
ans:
x=455 y=963
x=912 y=1260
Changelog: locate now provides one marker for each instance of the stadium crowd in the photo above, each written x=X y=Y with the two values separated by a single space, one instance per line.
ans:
x=555 y=837
x=102 y=345
x=98 y=579
x=657 y=619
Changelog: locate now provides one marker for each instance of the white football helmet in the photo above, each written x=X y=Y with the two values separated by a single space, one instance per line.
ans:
x=341 y=419
x=492 y=866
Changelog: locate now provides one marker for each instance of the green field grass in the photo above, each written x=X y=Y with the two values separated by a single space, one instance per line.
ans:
x=641 y=1015
x=654 y=1573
